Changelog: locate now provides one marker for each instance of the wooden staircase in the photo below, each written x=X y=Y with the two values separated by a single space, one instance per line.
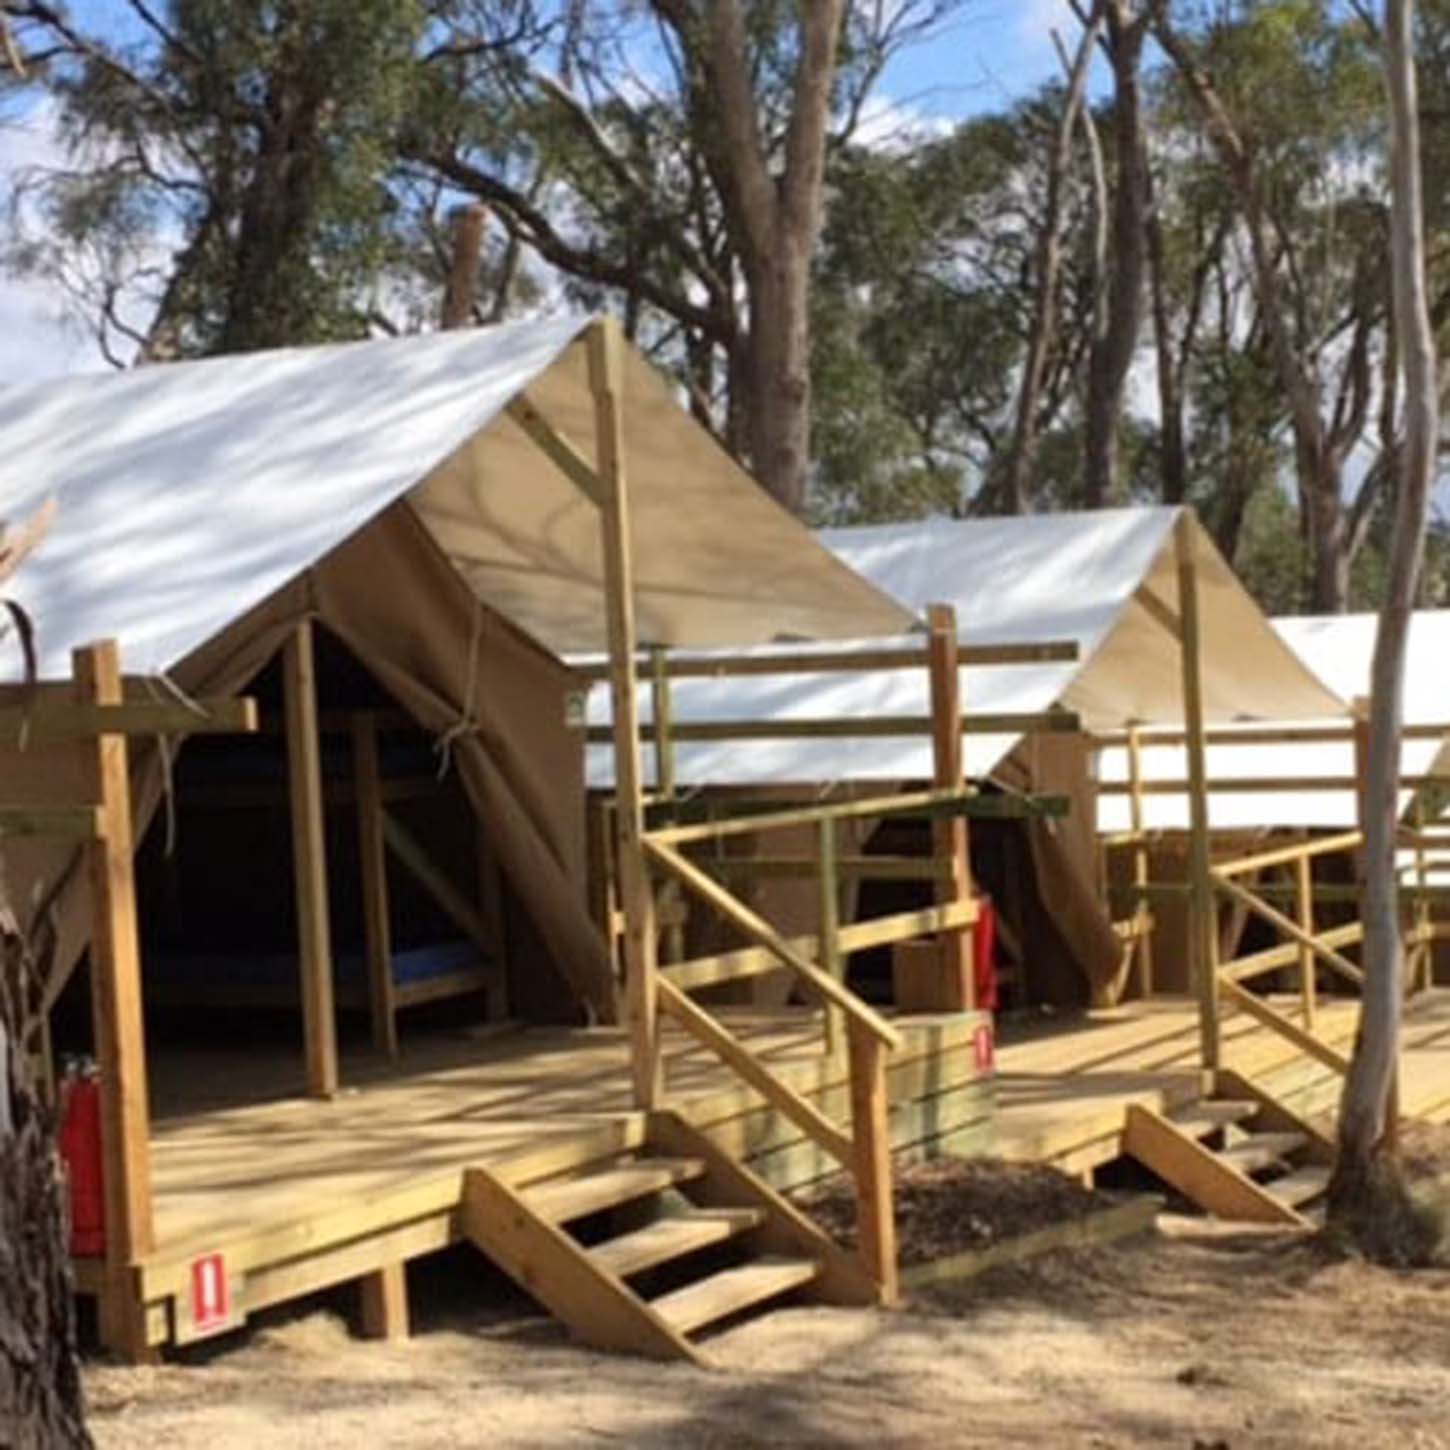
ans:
x=1238 y=1155
x=642 y=1252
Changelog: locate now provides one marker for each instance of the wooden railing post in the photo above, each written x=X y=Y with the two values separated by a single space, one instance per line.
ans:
x=829 y=929
x=116 y=1007
x=1203 y=923
x=309 y=860
x=373 y=864
x=1304 y=901
x=1424 y=955
x=636 y=897
x=1143 y=942
x=662 y=720
x=949 y=836
x=871 y=1145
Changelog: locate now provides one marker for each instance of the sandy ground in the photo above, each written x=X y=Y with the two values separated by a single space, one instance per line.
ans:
x=1206 y=1341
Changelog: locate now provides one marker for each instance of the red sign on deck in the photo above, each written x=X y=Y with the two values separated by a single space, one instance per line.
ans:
x=211 y=1298
x=984 y=1048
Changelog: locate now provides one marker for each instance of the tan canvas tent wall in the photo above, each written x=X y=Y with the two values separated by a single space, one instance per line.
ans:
x=387 y=490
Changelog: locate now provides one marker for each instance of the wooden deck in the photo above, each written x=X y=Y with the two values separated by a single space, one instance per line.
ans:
x=299 y=1193
x=1063 y=1084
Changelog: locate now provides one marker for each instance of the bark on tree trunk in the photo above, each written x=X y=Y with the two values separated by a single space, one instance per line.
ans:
x=1367 y=1196
x=1112 y=354
x=41 y=1401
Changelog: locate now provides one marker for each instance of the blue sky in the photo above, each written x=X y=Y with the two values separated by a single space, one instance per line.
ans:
x=987 y=55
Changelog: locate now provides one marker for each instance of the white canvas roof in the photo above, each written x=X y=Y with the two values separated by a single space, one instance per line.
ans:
x=1339 y=649
x=190 y=492
x=1039 y=578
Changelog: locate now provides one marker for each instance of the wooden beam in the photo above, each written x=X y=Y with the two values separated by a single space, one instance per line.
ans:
x=1286 y=1027
x=863 y=727
x=1143 y=945
x=309 y=860
x=806 y=662
x=562 y=453
x=871 y=1161
x=701 y=818
x=1202 y=924
x=410 y=853
x=54 y=722
x=635 y=895
x=828 y=923
x=1290 y=929
x=385 y=1302
x=858 y=868
x=746 y=1066
x=758 y=929
x=949 y=835
x=120 y=1037
x=373 y=869
x=62 y=823
x=1160 y=612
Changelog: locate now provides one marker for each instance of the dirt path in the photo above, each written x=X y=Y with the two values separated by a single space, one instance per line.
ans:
x=1165 y=1342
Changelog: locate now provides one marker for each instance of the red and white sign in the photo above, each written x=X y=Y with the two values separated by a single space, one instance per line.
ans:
x=984 y=1048
x=211 y=1295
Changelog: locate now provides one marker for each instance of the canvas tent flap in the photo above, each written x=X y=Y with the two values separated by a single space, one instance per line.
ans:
x=393 y=600
x=190 y=492
x=1338 y=649
x=1020 y=580
x=716 y=562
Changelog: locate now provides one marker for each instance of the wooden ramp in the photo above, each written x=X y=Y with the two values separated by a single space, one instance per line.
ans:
x=642 y=1252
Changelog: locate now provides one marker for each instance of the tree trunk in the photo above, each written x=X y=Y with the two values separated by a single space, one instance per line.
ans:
x=1113 y=352
x=1368 y=1198
x=41 y=1402
x=1016 y=477
x=780 y=375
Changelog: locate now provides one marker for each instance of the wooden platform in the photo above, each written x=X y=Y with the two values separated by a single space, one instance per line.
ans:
x=1063 y=1084
x=298 y=1193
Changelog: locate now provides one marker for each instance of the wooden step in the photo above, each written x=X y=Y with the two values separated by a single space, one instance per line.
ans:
x=1301 y=1186
x=562 y=1200
x=1261 y=1150
x=672 y=1238
x=1212 y=1114
x=730 y=1291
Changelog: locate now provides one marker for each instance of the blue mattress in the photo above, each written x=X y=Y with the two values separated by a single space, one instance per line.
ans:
x=279 y=969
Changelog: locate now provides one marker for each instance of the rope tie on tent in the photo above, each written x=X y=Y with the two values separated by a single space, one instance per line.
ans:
x=467 y=720
x=166 y=748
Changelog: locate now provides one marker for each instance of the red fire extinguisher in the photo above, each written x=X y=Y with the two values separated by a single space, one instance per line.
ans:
x=984 y=954
x=80 y=1149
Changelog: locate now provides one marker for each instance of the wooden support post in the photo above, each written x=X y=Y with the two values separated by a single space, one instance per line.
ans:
x=116 y=1006
x=1143 y=942
x=636 y=896
x=491 y=911
x=829 y=930
x=1424 y=950
x=1203 y=926
x=373 y=863
x=871 y=1143
x=949 y=835
x=662 y=721
x=1304 y=901
x=385 y=1302
x=309 y=860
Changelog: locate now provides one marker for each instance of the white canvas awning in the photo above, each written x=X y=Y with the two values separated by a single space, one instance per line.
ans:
x=1049 y=577
x=190 y=492
x=1339 y=649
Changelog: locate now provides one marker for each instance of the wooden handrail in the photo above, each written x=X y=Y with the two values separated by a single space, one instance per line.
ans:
x=858 y=936
x=814 y=662
x=1275 y=1021
x=1060 y=722
x=1289 y=928
x=704 y=1027
x=902 y=804
x=1281 y=855
x=761 y=931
